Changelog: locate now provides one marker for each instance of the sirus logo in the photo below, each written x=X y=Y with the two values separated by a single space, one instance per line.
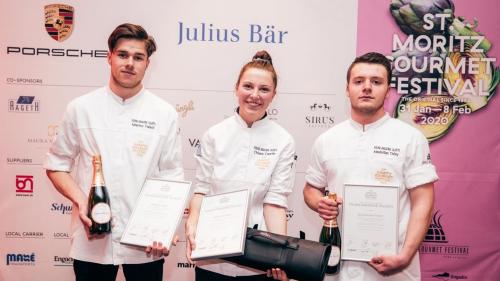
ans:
x=320 y=116
x=320 y=107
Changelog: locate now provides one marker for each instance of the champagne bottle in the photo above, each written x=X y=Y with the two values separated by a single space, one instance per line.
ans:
x=330 y=234
x=98 y=205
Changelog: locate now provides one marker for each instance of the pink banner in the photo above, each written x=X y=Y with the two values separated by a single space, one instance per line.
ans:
x=458 y=109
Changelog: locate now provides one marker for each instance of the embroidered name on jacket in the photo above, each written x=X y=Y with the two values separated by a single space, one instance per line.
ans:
x=143 y=124
x=264 y=151
x=392 y=151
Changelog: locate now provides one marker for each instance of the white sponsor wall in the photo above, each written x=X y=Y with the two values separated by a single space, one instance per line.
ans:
x=311 y=42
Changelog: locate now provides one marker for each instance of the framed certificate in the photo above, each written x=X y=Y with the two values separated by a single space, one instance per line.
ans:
x=222 y=225
x=157 y=212
x=369 y=221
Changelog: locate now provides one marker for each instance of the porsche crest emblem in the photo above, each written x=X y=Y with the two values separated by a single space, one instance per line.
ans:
x=59 y=20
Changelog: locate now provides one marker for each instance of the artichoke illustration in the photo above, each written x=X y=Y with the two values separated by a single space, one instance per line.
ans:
x=433 y=114
x=469 y=77
x=474 y=89
x=409 y=15
x=460 y=27
x=421 y=65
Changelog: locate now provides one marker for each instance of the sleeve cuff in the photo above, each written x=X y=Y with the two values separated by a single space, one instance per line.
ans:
x=54 y=163
x=315 y=178
x=421 y=175
x=201 y=187
x=274 y=198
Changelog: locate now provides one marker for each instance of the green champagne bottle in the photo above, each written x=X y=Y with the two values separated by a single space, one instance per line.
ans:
x=330 y=234
x=98 y=205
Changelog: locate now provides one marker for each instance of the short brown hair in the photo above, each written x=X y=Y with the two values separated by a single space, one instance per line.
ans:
x=373 y=58
x=261 y=60
x=131 y=31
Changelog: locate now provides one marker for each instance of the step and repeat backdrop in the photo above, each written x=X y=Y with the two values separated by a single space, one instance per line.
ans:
x=446 y=75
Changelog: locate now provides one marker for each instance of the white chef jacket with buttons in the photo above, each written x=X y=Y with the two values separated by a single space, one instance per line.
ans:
x=232 y=157
x=136 y=138
x=386 y=152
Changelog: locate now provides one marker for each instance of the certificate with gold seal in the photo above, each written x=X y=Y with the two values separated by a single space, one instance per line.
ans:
x=369 y=221
x=157 y=212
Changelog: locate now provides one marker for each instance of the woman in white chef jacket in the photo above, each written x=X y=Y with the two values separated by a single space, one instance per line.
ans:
x=246 y=150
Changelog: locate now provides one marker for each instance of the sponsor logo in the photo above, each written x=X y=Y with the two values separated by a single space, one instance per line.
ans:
x=447 y=276
x=185 y=108
x=60 y=235
x=24 y=81
x=61 y=208
x=289 y=214
x=63 y=261
x=52 y=130
x=436 y=242
x=20 y=259
x=19 y=161
x=24 y=185
x=56 y=52
x=24 y=234
x=59 y=21
x=194 y=143
x=24 y=104
x=320 y=107
x=185 y=265
x=320 y=116
x=211 y=32
x=272 y=113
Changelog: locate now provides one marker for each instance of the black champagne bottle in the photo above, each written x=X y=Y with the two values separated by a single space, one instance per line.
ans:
x=330 y=234
x=98 y=205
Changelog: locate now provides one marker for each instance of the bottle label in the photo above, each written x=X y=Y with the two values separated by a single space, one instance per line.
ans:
x=330 y=224
x=334 y=256
x=101 y=213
